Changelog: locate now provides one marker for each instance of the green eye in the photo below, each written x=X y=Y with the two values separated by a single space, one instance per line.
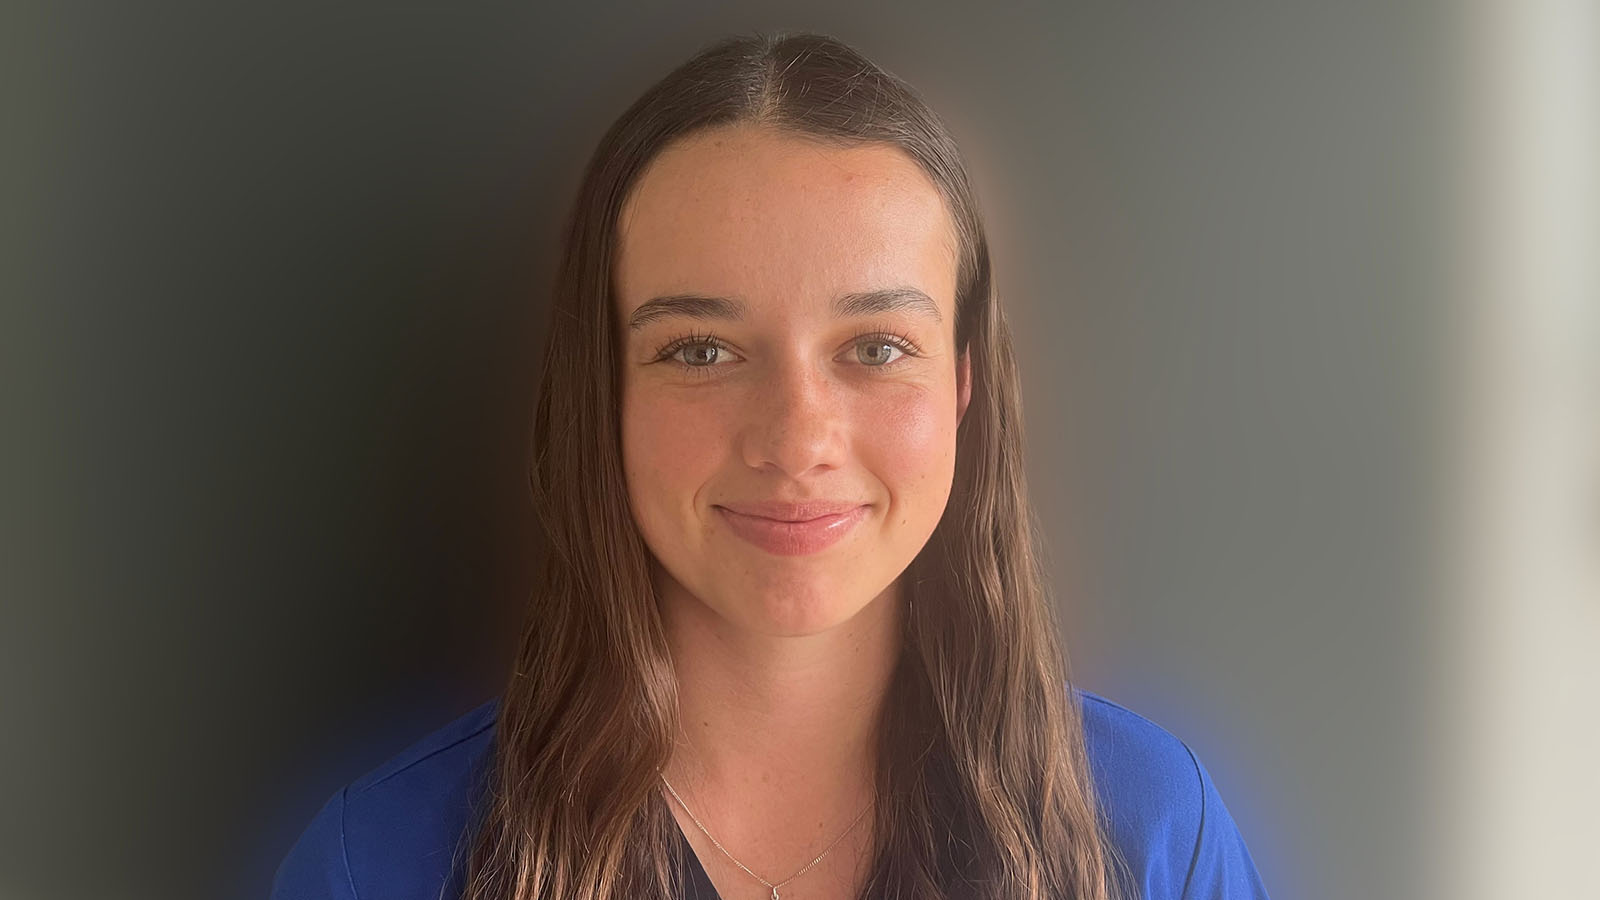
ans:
x=699 y=354
x=883 y=356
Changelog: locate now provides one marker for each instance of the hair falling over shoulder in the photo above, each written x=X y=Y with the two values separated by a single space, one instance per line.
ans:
x=984 y=786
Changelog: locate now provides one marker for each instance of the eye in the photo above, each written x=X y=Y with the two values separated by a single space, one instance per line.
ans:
x=882 y=350
x=877 y=352
x=702 y=354
x=695 y=352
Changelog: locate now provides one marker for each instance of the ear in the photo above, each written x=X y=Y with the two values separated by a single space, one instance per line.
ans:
x=963 y=384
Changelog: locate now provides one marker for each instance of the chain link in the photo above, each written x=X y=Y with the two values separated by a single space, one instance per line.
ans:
x=746 y=868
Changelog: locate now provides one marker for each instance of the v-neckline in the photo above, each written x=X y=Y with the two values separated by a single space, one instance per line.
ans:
x=696 y=883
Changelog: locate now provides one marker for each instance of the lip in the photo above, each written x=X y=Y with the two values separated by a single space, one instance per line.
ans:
x=793 y=529
x=791 y=511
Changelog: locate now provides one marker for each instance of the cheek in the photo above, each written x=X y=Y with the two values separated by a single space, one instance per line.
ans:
x=668 y=446
x=910 y=441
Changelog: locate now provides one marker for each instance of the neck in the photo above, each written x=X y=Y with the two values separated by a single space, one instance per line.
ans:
x=779 y=717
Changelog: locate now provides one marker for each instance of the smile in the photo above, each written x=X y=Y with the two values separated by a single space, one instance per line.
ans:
x=786 y=538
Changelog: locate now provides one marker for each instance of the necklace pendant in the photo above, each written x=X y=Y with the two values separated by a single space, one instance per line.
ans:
x=775 y=894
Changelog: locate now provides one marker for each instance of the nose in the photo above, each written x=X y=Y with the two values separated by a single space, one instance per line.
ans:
x=795 y=421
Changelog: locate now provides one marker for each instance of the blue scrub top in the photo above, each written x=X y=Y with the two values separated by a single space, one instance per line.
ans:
x=394 y=833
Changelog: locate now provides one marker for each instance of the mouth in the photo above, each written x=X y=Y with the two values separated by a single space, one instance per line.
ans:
x=798 y=530
x=802 y=511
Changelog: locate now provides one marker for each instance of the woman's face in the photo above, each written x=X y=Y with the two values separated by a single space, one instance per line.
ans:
x=791 y=387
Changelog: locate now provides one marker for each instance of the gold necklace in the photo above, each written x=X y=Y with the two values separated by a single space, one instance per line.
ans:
x=746 y=868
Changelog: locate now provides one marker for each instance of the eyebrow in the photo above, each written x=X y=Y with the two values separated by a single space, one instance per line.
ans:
x=859 y=303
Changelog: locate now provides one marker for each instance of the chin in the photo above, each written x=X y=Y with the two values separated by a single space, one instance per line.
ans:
x=796 y=611
x=775 y=601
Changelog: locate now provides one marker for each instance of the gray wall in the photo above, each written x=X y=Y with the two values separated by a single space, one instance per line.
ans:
x=269 y=353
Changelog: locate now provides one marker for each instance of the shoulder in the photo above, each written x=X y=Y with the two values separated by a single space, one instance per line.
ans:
x=396 y=832
x=1164 y=814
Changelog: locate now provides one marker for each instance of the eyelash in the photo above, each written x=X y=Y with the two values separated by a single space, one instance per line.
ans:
x=669 y=352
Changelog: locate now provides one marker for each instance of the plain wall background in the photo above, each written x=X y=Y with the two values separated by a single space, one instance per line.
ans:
x=281 y=271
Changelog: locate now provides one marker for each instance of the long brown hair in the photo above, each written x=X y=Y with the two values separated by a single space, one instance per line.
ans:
x=984 y=786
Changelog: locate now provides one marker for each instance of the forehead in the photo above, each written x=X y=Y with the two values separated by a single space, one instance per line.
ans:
x=778 y=219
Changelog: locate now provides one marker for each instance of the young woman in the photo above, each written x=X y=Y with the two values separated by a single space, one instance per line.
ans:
x=789 y=639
